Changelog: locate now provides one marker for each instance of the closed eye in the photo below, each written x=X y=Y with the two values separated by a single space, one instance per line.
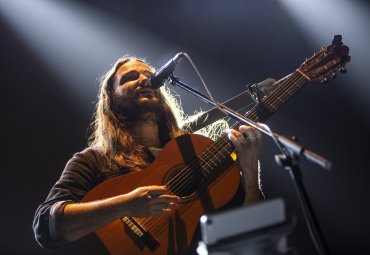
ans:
x=129 y=76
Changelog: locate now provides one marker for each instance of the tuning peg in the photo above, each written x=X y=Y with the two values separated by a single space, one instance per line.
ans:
x=333 y=75
x=337 y=41
x=325 y=80
x=342 y=69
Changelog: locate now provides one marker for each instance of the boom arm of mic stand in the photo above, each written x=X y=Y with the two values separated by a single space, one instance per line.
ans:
x=289 y=144
x=231 y=113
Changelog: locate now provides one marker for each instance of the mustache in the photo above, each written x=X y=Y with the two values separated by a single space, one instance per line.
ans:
x=130 y=100
x=134 y=94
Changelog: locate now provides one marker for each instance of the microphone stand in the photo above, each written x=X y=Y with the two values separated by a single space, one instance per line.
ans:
x=288 y=159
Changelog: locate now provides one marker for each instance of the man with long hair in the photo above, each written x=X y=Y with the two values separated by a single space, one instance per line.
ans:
x=132 y=123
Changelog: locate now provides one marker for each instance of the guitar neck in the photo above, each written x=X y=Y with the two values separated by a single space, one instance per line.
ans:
x=272 y=102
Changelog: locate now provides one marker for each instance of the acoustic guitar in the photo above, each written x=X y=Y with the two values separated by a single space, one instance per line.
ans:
x=199 y=170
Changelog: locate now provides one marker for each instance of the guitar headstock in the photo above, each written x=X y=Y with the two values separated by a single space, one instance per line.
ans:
x=325 y=63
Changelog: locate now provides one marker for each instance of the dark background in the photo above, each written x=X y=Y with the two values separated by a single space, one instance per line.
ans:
x=52 y=54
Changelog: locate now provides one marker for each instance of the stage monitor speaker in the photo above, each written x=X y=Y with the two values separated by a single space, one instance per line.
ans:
x=260 y=228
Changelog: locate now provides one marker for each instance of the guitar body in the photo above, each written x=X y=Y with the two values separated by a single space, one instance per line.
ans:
x=172 y=233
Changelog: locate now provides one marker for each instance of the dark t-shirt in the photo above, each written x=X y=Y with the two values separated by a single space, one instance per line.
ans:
x=83 y=171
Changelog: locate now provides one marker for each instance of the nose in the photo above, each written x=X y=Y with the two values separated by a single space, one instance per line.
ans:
x=144 y=81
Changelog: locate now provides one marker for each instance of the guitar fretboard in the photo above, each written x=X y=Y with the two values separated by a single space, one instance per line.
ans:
x=210 y=162
x=273 y=101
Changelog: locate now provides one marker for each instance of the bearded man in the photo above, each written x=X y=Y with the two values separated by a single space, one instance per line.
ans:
x=132 y=123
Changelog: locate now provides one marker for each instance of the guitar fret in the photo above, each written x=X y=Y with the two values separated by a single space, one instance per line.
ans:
x=279 y=96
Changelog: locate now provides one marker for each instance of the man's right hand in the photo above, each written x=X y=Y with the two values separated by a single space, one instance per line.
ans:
x=148 y=201
x=83 y=218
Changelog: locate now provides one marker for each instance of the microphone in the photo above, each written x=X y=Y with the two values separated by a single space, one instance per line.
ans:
x=158 y=78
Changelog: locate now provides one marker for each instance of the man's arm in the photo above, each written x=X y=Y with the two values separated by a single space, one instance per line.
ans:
x=247 y=142
x=80 y=219
x=62 y=217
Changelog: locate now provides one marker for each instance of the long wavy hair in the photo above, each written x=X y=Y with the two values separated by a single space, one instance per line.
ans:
x=114 y=137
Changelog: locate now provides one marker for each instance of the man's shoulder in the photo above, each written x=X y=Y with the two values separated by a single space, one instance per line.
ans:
x=91 y=152
x=93 y=158
x=88 y=154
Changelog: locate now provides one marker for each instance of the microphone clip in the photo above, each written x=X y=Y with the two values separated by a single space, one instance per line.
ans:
x=259 y=90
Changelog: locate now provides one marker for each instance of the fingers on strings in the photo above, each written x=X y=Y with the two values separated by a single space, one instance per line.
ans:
x=161 y=201
x=245 y=136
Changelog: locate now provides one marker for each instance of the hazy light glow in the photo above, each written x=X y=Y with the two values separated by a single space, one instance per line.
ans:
x=76 y=42
x=321 y=20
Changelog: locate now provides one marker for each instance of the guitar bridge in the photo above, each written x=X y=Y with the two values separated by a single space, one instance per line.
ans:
x=140 y=232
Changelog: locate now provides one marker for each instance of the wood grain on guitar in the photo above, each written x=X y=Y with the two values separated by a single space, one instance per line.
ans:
x=199 y=170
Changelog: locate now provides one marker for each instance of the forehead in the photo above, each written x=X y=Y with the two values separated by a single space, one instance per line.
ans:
x=133 y=65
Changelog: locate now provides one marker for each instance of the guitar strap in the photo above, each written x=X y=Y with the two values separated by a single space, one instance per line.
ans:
x=186 y=148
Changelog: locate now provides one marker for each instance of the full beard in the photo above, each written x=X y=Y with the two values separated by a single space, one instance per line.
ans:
x=136 y=107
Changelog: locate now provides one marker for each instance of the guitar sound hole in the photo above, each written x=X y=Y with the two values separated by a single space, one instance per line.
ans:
x=184 y=181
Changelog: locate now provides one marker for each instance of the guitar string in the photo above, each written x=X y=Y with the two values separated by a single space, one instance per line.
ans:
x=281 y=99
x=208 y=154
x=229 y=145
x=222 y=143
x=207 y=157
x=276 y=98
x=163 y=226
